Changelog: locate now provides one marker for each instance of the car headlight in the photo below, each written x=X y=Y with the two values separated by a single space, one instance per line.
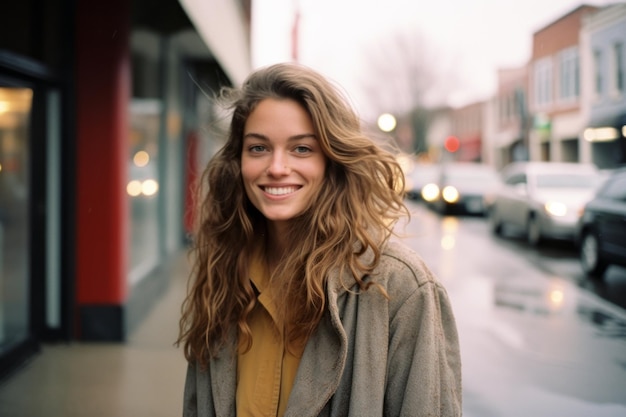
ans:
x=555 y=208
x=450 y=194
x=430 y=192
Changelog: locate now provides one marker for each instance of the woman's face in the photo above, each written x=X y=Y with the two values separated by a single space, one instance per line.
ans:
x=282 y=163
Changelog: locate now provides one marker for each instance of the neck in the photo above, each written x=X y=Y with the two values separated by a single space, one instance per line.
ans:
x=276 y=242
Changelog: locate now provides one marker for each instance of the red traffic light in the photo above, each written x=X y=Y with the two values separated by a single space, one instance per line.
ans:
x=451 y=144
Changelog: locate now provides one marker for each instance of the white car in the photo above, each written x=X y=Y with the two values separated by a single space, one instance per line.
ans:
x=543 y=199
x=422 y=175
x=462 y=187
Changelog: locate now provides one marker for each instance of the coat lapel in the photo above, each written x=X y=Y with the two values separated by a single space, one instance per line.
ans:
x=223 y=371
x=322 y=364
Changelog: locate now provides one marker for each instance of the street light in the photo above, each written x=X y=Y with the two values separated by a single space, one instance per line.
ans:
x=386 y=122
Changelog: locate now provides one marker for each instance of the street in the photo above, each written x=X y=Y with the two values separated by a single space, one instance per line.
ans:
x=536 y=338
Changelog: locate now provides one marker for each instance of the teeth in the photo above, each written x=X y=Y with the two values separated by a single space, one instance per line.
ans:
x=279 y=190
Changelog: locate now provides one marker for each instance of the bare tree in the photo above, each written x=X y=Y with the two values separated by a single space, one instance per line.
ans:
x=407 y=75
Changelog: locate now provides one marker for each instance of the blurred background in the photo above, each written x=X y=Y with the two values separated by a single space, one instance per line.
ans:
x=511 y=118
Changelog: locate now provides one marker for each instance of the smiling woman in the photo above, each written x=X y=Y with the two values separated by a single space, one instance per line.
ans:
x=294 y=231
x=282 y=164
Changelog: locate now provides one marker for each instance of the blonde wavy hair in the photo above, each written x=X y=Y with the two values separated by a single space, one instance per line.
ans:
x=355 y=211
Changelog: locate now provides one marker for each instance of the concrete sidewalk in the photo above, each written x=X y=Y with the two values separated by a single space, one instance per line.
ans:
x=143 y=377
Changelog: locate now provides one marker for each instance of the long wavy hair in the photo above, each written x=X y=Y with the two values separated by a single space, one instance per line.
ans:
x=356 y=209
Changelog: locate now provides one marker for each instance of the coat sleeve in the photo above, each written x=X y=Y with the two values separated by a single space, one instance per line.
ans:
x=424 y=364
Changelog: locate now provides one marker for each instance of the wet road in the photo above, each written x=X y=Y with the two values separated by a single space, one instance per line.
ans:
x=536 y=339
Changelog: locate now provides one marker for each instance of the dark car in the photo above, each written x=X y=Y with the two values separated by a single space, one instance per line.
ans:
x=602 y=228
x=464 y=187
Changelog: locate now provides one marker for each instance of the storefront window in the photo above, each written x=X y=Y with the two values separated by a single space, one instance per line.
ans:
x=15 y=111
x=143 y=187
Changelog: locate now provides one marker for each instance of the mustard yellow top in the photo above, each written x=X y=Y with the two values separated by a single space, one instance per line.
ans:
x=266 y=372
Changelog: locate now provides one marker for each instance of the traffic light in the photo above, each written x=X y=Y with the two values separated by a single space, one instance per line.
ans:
x=451 y=144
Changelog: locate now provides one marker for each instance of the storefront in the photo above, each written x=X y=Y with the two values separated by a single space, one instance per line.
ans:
x=607 y=136
x=103 y=110
x=36 y=141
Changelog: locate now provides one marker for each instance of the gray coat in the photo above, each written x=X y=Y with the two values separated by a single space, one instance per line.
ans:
x=368 y=357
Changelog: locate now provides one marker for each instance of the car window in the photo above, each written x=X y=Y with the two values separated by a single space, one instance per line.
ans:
x=615 y=188
x=568 y=181
x=516 y=179
x=471 y=177
x=424 y=173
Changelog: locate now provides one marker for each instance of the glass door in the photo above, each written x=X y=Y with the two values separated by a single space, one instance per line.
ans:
x=15 y=115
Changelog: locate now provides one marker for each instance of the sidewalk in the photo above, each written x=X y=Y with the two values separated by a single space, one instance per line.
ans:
x=143 y=377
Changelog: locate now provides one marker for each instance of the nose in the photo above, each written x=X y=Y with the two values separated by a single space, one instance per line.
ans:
x=278 y=165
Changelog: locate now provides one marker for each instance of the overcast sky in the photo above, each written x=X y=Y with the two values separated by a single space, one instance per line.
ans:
x=473 y=37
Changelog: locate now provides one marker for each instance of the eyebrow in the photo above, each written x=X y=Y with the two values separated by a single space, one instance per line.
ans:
x=290 y=139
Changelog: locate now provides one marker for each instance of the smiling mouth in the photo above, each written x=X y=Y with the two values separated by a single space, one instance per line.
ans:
x=280 y=190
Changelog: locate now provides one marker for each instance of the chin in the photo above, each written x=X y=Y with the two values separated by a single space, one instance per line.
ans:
x=281 y=217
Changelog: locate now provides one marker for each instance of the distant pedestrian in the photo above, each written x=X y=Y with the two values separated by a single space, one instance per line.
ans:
x=300 y=303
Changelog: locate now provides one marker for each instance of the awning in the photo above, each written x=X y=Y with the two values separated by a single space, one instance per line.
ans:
x=605 y=128
x=616 y=120
x=223 y=28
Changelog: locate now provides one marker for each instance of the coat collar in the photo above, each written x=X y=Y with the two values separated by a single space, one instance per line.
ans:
x=324 y=359
x=339 y=283
x=319 y=372
x=322 y=363
x=321 y=366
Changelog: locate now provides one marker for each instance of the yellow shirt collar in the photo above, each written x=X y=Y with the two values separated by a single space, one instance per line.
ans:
x=260 y=276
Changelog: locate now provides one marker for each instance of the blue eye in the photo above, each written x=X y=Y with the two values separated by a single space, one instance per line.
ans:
x=302 y=149
x=256 y=148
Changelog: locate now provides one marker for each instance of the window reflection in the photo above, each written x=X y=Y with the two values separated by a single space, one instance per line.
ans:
x=143 y=186
x=15 y=111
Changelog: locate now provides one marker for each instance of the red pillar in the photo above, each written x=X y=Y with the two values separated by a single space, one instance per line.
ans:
x=103 y=93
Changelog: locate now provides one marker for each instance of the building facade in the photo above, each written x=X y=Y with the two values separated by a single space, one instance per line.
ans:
x=603 y=60
x=467 y=127
x=510 y=119
x=105 y=119
x=554 y=89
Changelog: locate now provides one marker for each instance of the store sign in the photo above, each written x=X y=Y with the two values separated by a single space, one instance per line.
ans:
x=601 y=134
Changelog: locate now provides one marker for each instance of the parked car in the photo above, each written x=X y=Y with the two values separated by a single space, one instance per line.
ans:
x=602 y=227
x=543 y=199
x=464 y=187
x=420 y=177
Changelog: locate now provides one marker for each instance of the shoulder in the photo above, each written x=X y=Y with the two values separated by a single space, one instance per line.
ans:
x=403 y=273
x=400 y=272
x=398 y=261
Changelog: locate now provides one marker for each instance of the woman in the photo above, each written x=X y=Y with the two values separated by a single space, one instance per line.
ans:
x=300 y=305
